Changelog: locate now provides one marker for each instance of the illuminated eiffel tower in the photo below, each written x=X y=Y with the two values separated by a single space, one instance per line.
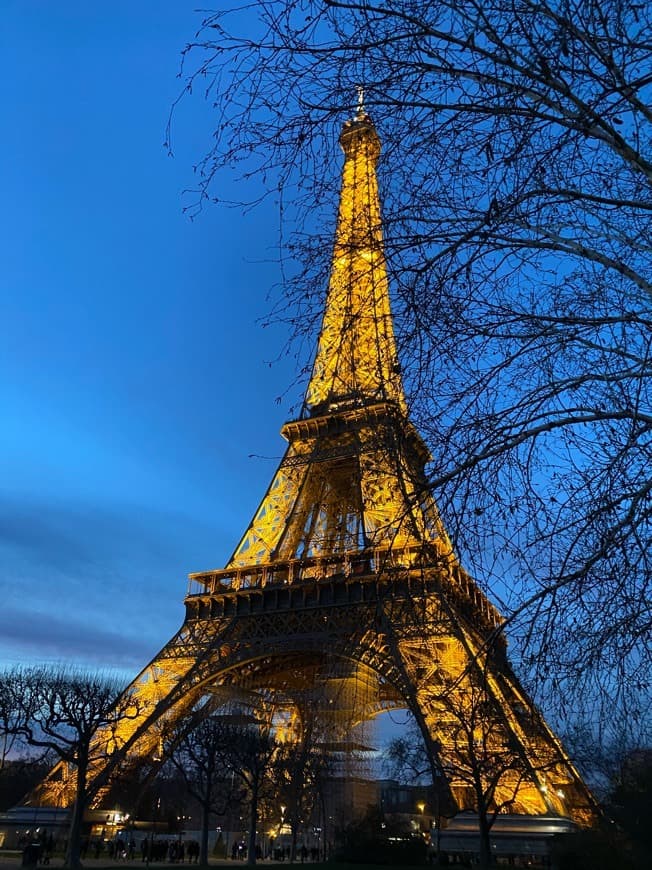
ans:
x=346 y=576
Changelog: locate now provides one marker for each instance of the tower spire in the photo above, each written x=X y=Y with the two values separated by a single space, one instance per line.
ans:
x=361 y=109
x=356 y=362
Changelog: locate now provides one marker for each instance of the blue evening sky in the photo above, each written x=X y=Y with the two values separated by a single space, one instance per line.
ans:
x=134 y=377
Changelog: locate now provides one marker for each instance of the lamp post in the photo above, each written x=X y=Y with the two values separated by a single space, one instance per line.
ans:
x=421 y=807
x=437 y=821
x=157 y=808
x=181 y=825
x=281 y=825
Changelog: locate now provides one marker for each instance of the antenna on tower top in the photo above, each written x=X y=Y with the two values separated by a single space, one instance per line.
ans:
x=361 y=109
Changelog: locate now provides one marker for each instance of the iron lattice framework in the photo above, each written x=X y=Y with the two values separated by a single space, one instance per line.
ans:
x=345 y=577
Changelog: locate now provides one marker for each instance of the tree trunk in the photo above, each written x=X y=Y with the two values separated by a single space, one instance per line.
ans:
x=253 y=819
x=322 y=812
x=73 y=858
x=293 y=842
x=486 y=858
x=203 y=840
x=295 y=812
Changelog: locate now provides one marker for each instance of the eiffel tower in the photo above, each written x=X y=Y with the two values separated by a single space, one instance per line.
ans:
x=346 y=574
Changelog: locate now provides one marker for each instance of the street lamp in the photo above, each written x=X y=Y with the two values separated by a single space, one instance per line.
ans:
x=421 y=805
x=281 y=824
x=181 y=824
x=150 y=850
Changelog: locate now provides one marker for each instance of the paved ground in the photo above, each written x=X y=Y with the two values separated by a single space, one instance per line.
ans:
x=13 y=861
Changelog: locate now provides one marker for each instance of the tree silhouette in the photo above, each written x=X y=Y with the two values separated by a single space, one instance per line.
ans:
x=516 y=180
x=204 y=755
x=71 y=714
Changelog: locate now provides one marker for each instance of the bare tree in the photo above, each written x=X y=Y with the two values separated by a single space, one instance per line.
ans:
x=605 y=765
x=303 y=767
x=71 y=714
x=9 y=716
x=19 y=774
x=247 y=753
x=482 y=758
x=200 y=756
x=516 y=180
x=407 y=759
x=630 y=801
x=482 y=765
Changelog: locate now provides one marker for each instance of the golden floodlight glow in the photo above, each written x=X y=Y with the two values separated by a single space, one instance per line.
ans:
x=344 y=597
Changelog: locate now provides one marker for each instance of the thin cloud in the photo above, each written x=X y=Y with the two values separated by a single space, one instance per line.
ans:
x=30 y=635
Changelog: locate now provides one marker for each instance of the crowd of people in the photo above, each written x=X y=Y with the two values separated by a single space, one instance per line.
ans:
x=38 y=848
